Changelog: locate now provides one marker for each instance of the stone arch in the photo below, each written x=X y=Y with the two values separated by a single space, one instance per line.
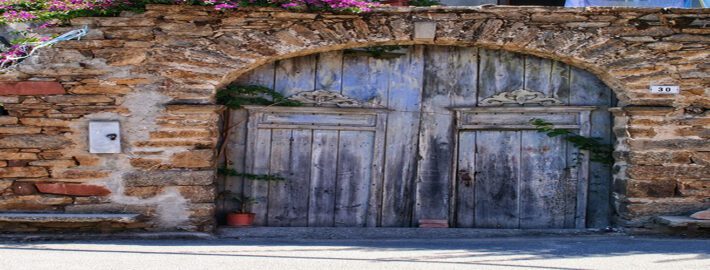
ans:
x=605 y=42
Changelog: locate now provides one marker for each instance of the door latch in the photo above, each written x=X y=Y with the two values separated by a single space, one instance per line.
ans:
x=465 y=177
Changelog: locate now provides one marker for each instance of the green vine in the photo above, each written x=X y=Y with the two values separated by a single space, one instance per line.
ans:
x=599 y=151
x=259 y=177
x=236 y=96
x=379 y=52
x=424 y=3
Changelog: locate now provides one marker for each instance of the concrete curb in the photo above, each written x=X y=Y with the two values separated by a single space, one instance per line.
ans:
x=396 y=233
x=107 y=236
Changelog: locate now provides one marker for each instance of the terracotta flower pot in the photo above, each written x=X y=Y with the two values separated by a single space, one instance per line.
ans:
x=396 y=3
x=240 y=219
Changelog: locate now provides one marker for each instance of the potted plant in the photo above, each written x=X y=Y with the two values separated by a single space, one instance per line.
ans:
x=240 y=217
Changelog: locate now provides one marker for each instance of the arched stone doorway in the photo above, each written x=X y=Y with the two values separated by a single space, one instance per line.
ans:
x=521 y=176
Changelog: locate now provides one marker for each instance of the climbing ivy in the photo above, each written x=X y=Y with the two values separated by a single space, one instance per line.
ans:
x=379 y=52
x=236 y=96
x=261 y=177
x=599 y=151
x=424 y=3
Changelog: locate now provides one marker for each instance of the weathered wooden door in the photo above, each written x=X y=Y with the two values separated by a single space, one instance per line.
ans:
x=418 y=89
x=331 y=160
x=511 y=176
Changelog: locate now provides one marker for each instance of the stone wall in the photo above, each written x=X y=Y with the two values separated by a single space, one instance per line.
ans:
x=157 y=73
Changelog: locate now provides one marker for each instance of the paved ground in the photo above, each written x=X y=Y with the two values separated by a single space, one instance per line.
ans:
x=582 y=252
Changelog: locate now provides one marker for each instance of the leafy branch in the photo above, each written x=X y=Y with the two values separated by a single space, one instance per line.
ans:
x=379 y=52
x=599 y=152
x=236 y=96
x=424 y=3
x=260 y=177
x=243 y=201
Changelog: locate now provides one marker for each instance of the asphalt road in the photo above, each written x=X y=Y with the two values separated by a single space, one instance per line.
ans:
x=621 y=252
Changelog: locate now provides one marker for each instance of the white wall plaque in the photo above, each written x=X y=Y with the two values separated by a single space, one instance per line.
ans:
x=665 y=89
x=104 y=137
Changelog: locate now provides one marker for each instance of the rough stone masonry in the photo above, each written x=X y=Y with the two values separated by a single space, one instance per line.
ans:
x=158 y=72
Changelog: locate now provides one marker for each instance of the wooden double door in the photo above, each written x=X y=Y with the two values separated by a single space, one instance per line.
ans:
x=419 y=162
x=509 y=175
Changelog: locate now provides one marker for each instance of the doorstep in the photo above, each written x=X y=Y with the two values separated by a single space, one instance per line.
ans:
x=324 y=233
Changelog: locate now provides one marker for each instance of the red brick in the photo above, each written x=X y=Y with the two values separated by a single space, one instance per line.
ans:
x=72 y=189
x=31 y=88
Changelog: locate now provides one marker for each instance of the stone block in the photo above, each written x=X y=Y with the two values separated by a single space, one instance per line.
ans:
x=100 y=89
x=31 y=88
x=169 y=178
x=45 y=122
x=87 y=160
x=79 y=99
x=23 y=172
x=424 y=31
x=660 y=157
x=651 y=188
x=558 y=18
x=668 y=172
x=8 y=120
x=5 y=184
x=79 y=173
x=20 y=130
x=33 y=202
x=72 y=189
x=704 y=214
x=61 y=163
x=193 y=159
x=194 y=194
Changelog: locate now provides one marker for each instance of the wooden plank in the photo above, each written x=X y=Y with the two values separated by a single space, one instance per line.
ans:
x=366 y=79
x=280 y=164
x=583 y=181
x=464 y=64
x=320 y=119
x=329 y=71
x=323 y=178
x=500 y=71
x=262 y=75
x=374 y=208
x=519 y=118
x=323 y=127
x=406 y=79
x=465 y=180
x=542 y=178
x=587 y=89
x=435 y=138
x=547 y=76
x=316 y=110
x=404 y=98
x=299 y=178
x=235 y=158
x=259 y=145
x=295 y=75
x=511 y=127
x=355 y=153
x=497 y=179
x=236 y=143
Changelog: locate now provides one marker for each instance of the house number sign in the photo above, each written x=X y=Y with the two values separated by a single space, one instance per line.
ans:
x=665 y=89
